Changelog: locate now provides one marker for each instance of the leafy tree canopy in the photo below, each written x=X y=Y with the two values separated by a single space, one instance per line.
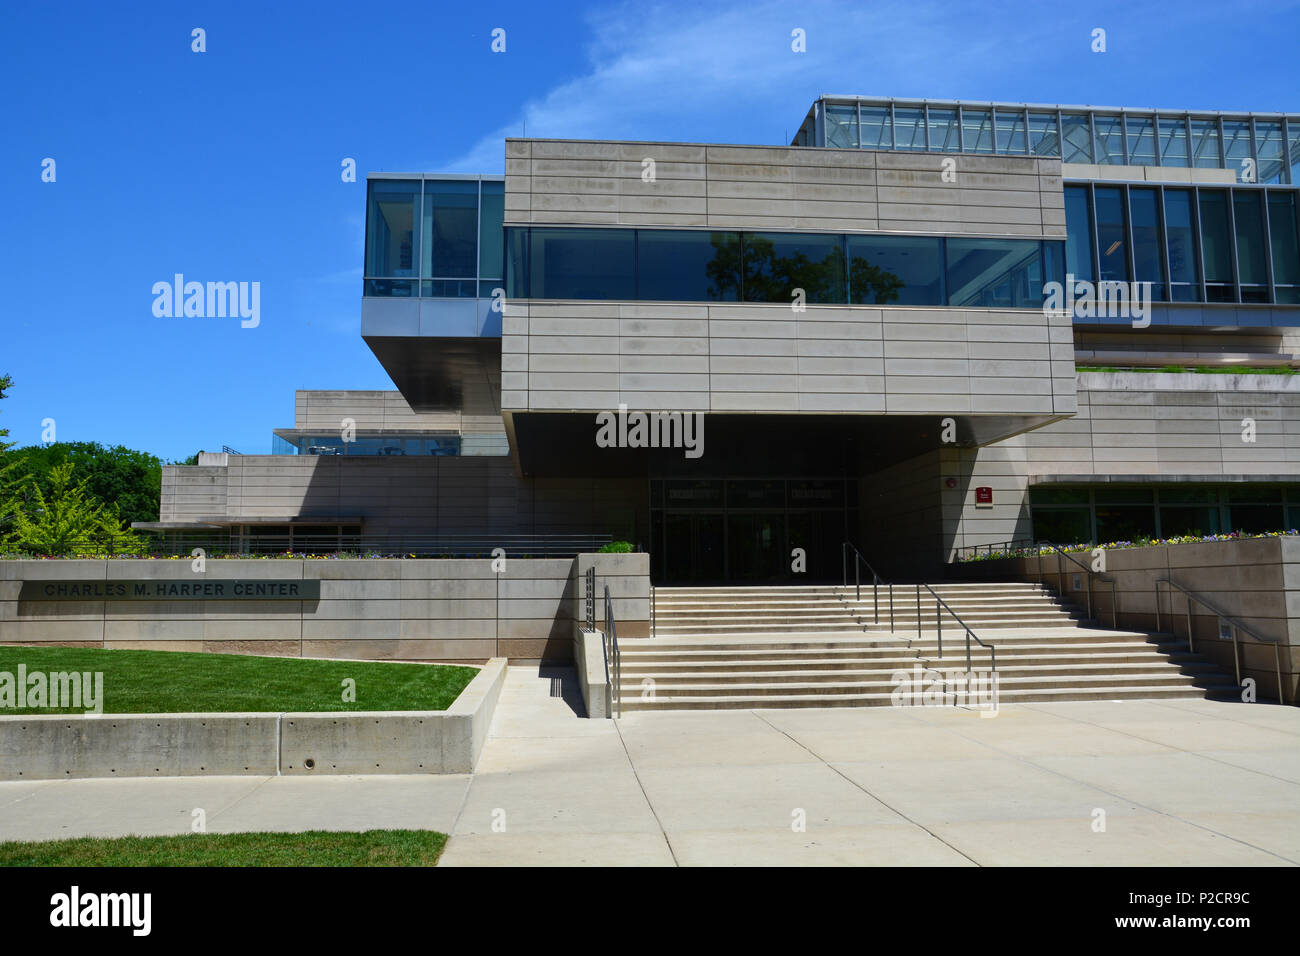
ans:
x=132 y=480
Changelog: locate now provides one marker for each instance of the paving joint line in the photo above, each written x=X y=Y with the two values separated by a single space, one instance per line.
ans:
x=636 y=776
x=859 y=786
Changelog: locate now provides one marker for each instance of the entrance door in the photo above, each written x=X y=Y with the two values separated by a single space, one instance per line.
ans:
x=695 y=547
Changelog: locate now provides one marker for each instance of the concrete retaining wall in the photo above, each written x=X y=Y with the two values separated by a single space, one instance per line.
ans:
x=432 y=610
x=181 y=745
x=1254 y=580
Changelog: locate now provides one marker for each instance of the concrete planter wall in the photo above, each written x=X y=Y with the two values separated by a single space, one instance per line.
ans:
x=381 y=609
x=66 y=746
x=1254 y=580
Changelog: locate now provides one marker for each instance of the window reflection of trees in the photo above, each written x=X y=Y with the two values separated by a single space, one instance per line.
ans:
x=759 y=274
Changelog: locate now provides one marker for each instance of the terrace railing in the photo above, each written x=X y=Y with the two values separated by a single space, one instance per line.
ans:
x=164 y=544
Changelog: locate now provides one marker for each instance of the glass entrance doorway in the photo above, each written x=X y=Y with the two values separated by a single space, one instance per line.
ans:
x=714 y=531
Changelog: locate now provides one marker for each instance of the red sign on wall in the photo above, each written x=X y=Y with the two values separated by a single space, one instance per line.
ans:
x=983 y=496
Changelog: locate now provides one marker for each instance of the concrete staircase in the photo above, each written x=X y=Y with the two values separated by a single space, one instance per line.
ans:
x=719 y=648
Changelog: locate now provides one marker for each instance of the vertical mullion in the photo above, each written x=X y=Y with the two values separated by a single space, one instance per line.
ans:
x=1128 y=233
x=961 y=130
x=1268 y=245
x=1096 y=240
x=1092 y=136
x=1158 y=146
x=1232 y=241
x=1123 y=135
x=857 y=130
x=1164 y=241
x=1200 y=248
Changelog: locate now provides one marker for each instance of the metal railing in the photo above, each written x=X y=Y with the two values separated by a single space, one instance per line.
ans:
x=1060 y=580
x=652 y=609
x=941 y=605
x=614 y=674
x=1234 y=626
x=1000 y=547
x=876 y=580
x=170 y=543
x=590 y=576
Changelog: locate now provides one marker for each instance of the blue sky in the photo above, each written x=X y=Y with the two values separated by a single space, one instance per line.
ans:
x=224 y=165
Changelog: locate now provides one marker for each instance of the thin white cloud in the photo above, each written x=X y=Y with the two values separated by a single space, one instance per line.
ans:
x=664 y=73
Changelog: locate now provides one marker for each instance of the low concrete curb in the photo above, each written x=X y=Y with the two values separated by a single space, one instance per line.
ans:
x=64 y=746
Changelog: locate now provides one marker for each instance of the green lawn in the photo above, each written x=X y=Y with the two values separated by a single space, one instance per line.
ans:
x=154 y=682
x=312 y=848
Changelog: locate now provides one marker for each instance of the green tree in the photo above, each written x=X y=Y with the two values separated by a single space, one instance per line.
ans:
x=8 y=469
x=6 y=383
x=64 y=517
x=129 y=478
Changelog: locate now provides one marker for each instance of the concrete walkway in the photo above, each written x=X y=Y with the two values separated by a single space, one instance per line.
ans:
x=1177 y=783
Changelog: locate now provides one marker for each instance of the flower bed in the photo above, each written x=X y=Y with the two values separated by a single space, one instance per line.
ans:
x=1035 y=550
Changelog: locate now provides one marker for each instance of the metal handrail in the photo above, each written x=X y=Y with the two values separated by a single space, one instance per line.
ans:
x=652 y=609
x=1004 y=547
x=310 y=539
x=938 y=621
x=1060 y=580
x=590 y=576
x=1234 y=626
x=876 y=581
x=614 y=679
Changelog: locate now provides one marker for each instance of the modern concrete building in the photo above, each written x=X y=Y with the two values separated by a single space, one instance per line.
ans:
x=854 y=337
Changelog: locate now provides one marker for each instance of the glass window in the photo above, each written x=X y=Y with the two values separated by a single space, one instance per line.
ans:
x=1110 y=140
x=1236 y=145
x=1205 y=144
x=1125 y=522
x=1078 y=231
x=877 y=132
x=1268 y=150
x=448 y=288
x=1123 y=496
x=1173 y=141
x=516 y=263
x=1148 y=252
x=391 y=288
x=909 y=128
x=1188 y=519
x=995 y=273
x=1256 y=518
x=1062 y=525
x=681 y=266
x=1111 y=247
x=1141 y=141
x=1252 y=251
x=449 y=236
x=842 y=126
x=1286 y=250
x=390 y=227
x=976 y=130
x=490 y=235
x=778 y=263
x=1077 y=135
x=581 y=264
x=903 y=270
x=1216 y=244
x=1011 y=131
x=943 y=131
x=1048 y=495
x=1293 y=130
x=1180 y=238
x=1042 y=135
